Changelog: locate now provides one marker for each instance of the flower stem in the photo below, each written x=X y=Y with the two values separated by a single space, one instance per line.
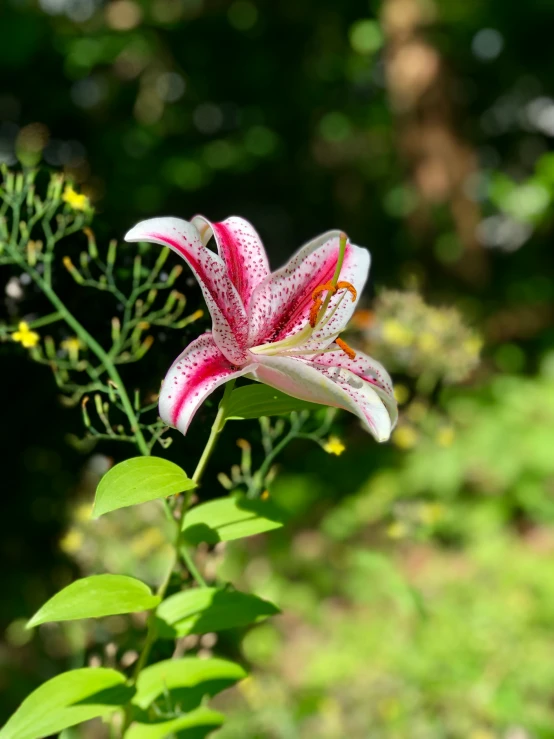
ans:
x=216 y=430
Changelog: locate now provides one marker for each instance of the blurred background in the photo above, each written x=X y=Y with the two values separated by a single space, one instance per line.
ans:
x=415 y=577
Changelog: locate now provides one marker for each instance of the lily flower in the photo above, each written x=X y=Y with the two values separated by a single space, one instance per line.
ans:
x=280 y=328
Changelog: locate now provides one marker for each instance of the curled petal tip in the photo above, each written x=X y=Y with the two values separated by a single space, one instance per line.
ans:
x=139 y=232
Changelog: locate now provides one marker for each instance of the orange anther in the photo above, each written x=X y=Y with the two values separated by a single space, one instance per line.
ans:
x=350 y=353
x=330 y=289
x=348 y=286
x=327 y=287
x=314 y=310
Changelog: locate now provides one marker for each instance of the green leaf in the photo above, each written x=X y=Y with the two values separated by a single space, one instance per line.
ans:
x=198 y=677
x=66 y=700
x=188 y=726
x=94 y=597
x=203 y=610
x=253 y=401
x=231 y=518
x=138 y=480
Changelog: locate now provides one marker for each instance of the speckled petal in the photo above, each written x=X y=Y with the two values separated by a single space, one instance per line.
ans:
x=196 y=373
x=332 y=386
x=230 y=328
x=280 y=305
x=368 y=370
x=241 y=249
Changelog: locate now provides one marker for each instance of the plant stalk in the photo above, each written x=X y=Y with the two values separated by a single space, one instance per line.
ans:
x=215 y=432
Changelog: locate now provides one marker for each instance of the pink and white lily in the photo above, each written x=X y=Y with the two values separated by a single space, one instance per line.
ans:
x=281 y=328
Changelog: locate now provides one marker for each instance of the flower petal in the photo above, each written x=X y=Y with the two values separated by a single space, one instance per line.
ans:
x=368 y=370
x=230 y=327
x=197 y=372
x=280 y=305
x=242 y=250
x=331 y=386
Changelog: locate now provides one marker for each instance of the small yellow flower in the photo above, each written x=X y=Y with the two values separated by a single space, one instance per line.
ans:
x=334 y=445
x=74 y=199
x=397 y=334
x=405 y=437
x=72 y=347
x=25 y=336
x=265 y=495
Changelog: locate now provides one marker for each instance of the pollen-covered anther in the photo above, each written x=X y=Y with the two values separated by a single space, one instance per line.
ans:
x=317 y=297
x=314 y=310
x=320 y=300
x=327 y=287
x=350 y=353
x=348 y=286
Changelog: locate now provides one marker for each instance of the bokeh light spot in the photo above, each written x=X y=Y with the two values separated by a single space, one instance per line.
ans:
x=365 y=37
x=487 y=44
x=123 y=15
x=170 y=86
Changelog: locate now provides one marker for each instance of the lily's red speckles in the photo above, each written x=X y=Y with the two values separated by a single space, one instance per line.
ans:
x=240 y=247
x=264 y=323
x=196 y=373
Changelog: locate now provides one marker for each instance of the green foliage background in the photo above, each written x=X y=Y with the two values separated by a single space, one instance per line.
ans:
x=415 y=578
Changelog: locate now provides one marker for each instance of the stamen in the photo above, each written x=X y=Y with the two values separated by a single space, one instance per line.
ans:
x=317 y=311
x=348 y=286
x=350 y=353
x=326 y=287
x=314 y=310
x=329 y=317
x=317 y=297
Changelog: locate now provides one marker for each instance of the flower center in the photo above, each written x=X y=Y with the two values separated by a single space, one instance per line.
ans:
x=319 y=316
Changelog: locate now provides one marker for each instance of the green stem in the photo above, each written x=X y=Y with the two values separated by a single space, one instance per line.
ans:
x=43 y=321
x=191 y=566
x=102 y=355
x=216 y=430
x=268 y=461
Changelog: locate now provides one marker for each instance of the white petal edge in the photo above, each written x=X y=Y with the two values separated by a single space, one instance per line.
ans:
x=330 y=386
x=366 y=367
